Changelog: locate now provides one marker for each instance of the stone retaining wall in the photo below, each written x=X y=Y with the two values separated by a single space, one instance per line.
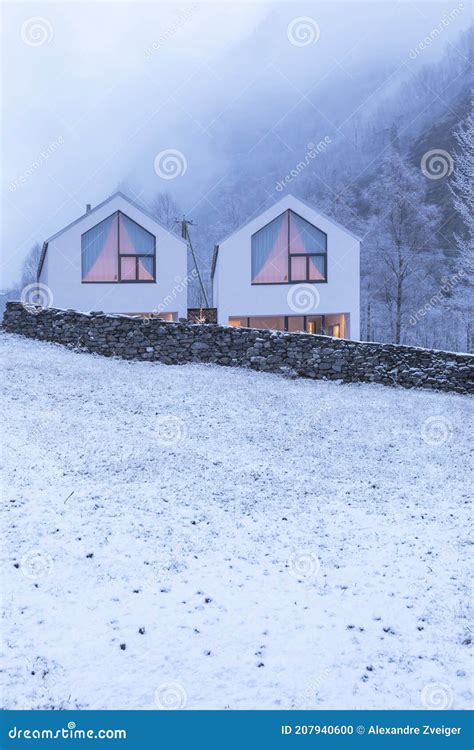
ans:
x=293 y=354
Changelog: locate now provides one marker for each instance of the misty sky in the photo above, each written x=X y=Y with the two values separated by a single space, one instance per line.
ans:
x=92 y=92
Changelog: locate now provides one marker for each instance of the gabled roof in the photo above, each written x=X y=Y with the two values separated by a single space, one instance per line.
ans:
x=118 y=194
x=214 y=260
x=283 y=201
x=41 y=260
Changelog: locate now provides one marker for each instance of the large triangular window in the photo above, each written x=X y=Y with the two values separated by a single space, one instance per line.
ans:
x=289 y=250
x=118 y=250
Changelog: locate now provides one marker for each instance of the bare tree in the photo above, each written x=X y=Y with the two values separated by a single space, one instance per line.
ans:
x=403 y=223
x=29 y=271
x=462 y=190
x=232 y=211
x=166 y=210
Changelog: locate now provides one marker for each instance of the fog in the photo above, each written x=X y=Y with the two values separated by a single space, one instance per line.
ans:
x=92 y=92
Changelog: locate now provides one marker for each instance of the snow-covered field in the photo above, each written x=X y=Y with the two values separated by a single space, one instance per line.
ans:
x=204 y=537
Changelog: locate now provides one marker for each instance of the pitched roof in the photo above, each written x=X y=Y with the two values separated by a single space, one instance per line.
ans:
x=214 y=260
x=41 y=260
x=89 y=213
x=119 y=194
x=304 y=203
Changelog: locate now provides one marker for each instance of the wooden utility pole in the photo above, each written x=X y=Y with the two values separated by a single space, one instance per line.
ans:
x=185 y=223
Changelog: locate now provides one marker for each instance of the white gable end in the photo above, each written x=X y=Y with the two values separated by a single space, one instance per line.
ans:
x=145 y=280
x=323 y=270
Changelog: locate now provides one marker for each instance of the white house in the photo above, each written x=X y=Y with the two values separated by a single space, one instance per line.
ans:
x=290 y=269
x=119 y=259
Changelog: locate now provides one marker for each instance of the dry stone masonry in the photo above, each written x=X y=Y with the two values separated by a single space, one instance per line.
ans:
x=292 y=354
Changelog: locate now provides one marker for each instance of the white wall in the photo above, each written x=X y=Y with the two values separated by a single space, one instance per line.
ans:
x=62 y=270
x=235 y=295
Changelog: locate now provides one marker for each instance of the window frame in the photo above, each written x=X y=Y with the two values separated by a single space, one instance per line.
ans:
x=307 y=280
x=291 y=255
x=120 y=255
x=136 y=279
x=323 y=317
x=306 y=319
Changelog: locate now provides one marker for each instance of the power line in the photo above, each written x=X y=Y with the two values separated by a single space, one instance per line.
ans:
x=185 y=223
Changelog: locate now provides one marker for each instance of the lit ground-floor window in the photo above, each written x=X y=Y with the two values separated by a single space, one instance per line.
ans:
x=335 y=324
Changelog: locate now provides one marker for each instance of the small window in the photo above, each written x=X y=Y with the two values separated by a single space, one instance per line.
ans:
x=128 y=266
x=298 y=268
x=316 y=267
x=145 y=268
x=136 y=268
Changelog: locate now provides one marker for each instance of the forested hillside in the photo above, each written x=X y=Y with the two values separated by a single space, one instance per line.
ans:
x=362 y=164
x=386 y=149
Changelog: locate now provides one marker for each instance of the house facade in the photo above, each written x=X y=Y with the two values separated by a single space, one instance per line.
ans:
x=116 y=258
x=290 y=269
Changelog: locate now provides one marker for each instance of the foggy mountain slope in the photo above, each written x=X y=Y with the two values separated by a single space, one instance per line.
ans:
x=418 y=115
x=251 y=110
x=357 y=139
x=336 y=179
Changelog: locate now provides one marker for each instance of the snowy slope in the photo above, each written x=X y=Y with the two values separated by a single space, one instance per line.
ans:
x=281 y=543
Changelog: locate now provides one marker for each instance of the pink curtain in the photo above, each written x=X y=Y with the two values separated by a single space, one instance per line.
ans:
x=128 y=269
x=270 y=253
x=298 y=268
x=304 y=237
x=99 y=251
x=145 y=269
x=316 y=268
